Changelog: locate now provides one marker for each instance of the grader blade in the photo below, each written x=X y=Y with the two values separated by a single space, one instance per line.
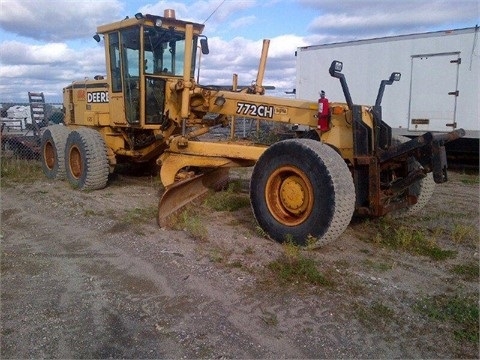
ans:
x=182 y=193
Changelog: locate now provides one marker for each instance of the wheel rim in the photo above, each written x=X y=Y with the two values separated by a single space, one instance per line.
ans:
x=289 y=195
x=49 y=155
x=75 y=162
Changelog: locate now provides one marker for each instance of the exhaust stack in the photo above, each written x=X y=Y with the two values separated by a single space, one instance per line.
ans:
x=169 y=13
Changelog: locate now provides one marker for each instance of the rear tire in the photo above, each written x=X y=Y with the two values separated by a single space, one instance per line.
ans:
x=302 y=189
x=86 y=161
x=52 y=154
x=423 y=188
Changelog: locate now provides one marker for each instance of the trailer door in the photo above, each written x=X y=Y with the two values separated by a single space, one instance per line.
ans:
x=433 y=92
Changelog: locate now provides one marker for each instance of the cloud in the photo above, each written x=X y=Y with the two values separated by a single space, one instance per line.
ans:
x=51 y=53
x=243 y=21
x=225 y=59
x=211 y=11
x=57 y=20
x=350 y=19
x=45 y=68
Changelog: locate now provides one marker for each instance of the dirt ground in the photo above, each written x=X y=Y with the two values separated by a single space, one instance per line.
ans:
x=90 y=275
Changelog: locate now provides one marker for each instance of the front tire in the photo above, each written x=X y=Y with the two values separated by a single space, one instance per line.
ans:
x=52 y=154
x=86 y=161
x=302 y=189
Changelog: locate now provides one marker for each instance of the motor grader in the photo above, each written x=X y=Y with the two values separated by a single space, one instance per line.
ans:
x=149 y=109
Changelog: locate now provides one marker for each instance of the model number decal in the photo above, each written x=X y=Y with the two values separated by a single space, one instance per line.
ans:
x=254 y=110
x=97 y=97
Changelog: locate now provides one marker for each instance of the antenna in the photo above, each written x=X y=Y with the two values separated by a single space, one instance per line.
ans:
x=213 y=12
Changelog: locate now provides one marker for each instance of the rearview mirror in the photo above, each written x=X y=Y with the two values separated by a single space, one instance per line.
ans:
x=204 y=46
x=395 y=76
x=336 y=67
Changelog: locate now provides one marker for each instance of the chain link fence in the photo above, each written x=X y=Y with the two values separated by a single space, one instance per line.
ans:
x=21 y=131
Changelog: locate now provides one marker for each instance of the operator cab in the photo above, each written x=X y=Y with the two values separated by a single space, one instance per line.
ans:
x=143 y=53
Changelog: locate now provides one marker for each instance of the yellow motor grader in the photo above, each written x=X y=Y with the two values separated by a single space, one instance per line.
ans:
x=149 y=109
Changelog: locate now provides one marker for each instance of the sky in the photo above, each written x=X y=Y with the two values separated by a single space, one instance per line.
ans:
x=47 y=44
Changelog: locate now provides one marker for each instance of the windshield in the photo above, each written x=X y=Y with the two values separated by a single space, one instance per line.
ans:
x=164 y=51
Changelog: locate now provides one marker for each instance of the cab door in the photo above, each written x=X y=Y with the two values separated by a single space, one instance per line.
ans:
x=124 y=63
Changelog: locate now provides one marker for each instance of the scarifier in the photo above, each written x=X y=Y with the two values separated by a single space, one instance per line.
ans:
x=150 y=110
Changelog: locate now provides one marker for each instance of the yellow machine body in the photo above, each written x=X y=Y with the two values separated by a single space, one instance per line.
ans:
x=149 y=109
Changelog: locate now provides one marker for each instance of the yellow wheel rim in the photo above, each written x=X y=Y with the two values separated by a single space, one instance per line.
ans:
x=75 y=162
x=49 y=155
x=289 y=195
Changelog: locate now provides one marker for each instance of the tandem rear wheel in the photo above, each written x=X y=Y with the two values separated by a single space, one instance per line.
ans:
x=52 y=151
x=86 y=162
x=78 y=155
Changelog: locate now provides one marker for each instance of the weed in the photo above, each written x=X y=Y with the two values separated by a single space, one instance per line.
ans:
x=409 y=239
x=470 y=180
x=462 y=233
x=89 y=212
x=311 y=242
x=235 y=264
x=138 y=215
x=468 y=272
x=460 y=312
x=290 y=250
x=190 y=221
x=235 y=186
x=355 y=287
x=288 y=239
x=342 y=264
x=216 y=256
x=293 y=268
x=379 y=266
x=261 y=232
x=229 y=200
x=374 y=315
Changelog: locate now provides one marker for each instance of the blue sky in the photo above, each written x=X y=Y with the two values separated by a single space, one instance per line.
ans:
x=46 y=44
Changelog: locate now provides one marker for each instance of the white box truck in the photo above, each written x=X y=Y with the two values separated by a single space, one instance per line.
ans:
x=438 y=90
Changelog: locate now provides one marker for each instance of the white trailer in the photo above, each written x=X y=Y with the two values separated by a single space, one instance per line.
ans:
x=438 y=90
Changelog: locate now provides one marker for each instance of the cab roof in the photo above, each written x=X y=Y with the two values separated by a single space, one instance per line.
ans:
x=150 y=20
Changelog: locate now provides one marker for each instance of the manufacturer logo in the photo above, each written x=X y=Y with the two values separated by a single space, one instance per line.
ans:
x=97 y=97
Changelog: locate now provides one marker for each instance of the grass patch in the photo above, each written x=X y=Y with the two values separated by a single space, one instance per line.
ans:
x=90 y=212
x=463 y=233
x=411 y=240
x=468 y=272
x=461 y=313
x=374 y=315
x=140 y=215
x=190 y=222
x=471 y=180
x=15 y=170
x=294 y=268
x=228 y=200
x=378 y=266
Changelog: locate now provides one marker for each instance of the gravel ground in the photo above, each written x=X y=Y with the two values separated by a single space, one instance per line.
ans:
x=90 y=275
